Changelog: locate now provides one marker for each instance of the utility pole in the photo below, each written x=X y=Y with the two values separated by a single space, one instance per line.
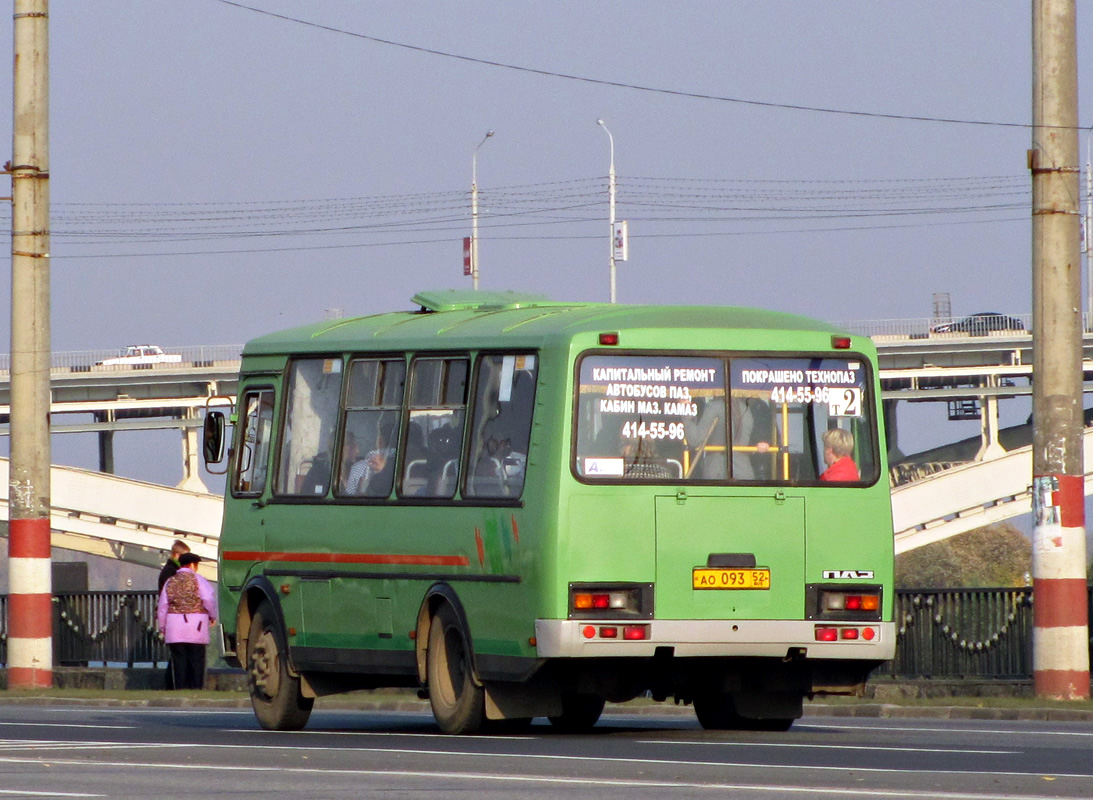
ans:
x=1060 y=617
x=30 y=609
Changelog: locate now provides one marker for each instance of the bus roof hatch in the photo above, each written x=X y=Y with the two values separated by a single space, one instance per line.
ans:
x=470 y=300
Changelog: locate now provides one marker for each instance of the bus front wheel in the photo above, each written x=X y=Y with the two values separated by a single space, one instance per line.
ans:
x=457 y=702
x=274 y=693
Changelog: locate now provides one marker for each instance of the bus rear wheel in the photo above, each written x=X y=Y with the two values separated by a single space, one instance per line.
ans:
x=580 y=712
x=274 y=693
x=458 y=703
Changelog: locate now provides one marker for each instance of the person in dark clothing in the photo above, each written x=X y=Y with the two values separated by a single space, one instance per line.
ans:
x=185 y=613
x=171 y=567
x=178 y=549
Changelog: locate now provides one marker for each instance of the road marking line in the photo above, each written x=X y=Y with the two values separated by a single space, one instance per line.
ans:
x=1024 y=734
x=28 y=793
x=546 y=779
x=848 y=747
x=587 y=759
x=66 y=725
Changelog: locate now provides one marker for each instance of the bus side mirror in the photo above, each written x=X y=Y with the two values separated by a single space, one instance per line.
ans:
x=212 y=442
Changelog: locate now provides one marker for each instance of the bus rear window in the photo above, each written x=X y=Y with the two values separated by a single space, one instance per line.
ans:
x=659 y=418
x=799 y=420
x=767 y=419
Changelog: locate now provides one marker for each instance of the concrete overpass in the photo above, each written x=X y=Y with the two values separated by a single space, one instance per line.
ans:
x=105 y=515
x=135 y=521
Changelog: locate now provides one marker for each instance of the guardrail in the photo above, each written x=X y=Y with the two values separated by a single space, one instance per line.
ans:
x=83 y=360
x=948 y=633
x=100 y=629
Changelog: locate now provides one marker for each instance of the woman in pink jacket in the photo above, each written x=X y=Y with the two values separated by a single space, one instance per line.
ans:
x=184 y=615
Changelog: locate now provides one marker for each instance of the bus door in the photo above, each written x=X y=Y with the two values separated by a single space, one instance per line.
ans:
x=730 y=557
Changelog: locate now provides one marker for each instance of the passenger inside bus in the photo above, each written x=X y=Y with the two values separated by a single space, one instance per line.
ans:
x=379 y=474
x=838 y=445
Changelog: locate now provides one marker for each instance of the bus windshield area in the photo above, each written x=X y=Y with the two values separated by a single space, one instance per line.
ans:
x=755 y=418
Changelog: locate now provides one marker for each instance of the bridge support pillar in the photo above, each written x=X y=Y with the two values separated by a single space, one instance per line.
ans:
x=106 y=443
x=989 y=446
x=191 y=465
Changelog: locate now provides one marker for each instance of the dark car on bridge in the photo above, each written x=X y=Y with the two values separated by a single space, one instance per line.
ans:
x=981 y=324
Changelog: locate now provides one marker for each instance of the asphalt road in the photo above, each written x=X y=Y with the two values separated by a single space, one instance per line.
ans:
x=88 y=752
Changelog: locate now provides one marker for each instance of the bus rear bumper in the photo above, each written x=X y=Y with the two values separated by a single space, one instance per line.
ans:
x=731 y=638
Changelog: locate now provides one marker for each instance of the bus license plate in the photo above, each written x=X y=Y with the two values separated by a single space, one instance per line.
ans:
x=706 y=578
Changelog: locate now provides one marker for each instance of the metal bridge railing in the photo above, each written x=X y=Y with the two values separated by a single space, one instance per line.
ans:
x=100 y=629
x=941 y=633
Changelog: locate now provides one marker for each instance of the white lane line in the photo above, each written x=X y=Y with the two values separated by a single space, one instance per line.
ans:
x=66 y=725
x=525 y=738
x=811 y=791
x=396 y=734
x=1032 y=733
x=59 y=744
x=149 y=710
x=585 y=759
x=28 y=793
x=847 y=747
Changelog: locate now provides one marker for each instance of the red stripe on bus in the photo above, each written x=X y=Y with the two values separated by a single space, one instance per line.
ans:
x=1068 y=684
x=30 y=616
x=1059 y=602
x=1071 y=501
x=348 y=558
x=29 y=538
x=29 y=678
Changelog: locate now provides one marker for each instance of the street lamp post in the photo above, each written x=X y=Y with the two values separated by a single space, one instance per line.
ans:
x=474 y=211
x=611 y=206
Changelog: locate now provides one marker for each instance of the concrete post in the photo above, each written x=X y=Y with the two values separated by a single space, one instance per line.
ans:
x=1060 y=621
x=30 y=632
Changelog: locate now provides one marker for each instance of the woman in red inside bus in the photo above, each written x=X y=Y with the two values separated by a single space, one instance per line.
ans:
x=838 y=445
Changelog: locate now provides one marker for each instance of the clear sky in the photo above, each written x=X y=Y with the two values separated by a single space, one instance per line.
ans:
x=218 y=173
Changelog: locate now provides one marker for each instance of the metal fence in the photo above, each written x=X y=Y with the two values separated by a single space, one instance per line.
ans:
x=952 y=633
x=100 y=629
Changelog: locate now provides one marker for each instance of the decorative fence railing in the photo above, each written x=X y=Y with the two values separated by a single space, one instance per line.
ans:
x=951 y=634
x=99 y=628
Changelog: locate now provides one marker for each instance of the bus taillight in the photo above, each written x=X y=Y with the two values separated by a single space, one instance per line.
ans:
x=850 y=601
x=589 y=601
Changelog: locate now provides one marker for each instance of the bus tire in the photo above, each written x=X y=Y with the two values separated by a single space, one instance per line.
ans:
x=274 y=693
x=458 y=703
x=580 y=712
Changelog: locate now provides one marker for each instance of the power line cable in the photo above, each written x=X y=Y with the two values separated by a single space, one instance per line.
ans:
x=639 y=87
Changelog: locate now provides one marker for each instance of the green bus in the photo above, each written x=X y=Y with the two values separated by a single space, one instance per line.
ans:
x=527 y=508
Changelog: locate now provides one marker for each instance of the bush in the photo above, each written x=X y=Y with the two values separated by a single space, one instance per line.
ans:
x=993 y=556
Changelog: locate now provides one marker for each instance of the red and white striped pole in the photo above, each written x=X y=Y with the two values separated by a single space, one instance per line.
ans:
x=30 y=608
x=1060 y=644
x=30 y=605
x=1060 y=636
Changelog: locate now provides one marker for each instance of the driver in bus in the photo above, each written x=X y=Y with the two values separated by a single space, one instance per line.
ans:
x=838 y=445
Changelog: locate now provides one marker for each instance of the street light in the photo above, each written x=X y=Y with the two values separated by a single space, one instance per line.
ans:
x=611 y=205
x=474 y=211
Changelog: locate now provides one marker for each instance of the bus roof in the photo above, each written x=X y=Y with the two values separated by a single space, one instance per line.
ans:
x=463 y=318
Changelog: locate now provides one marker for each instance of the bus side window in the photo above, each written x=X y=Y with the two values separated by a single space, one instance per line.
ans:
x=307 y=448
x=438 y=405
x=252 y=457
x=373 y=409
x=501 y=428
